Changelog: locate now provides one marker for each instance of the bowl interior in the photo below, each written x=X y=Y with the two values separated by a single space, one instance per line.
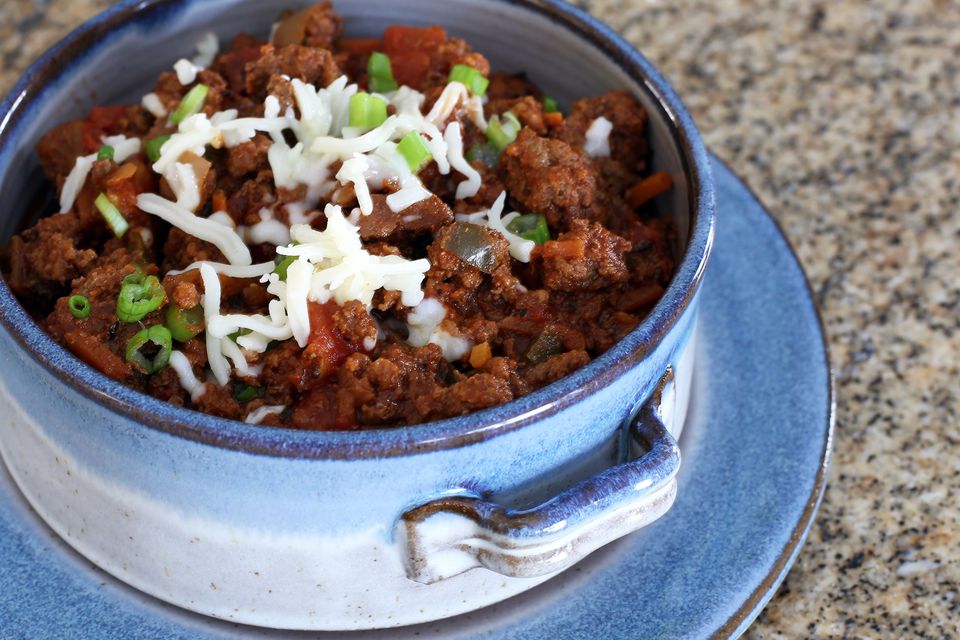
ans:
x=115 y=59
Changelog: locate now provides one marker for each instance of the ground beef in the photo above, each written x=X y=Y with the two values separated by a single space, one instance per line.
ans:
x=314 y=66
x=552 y=178
x=425 y=216
x=586 y=257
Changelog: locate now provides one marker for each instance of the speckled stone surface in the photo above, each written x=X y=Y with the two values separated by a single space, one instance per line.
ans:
x=844 y=117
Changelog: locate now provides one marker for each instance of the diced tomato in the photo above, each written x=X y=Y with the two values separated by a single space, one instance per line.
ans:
x=399 y=38
x=410 y=67
x=103 y=121
x=326 y=349
x=359 y=46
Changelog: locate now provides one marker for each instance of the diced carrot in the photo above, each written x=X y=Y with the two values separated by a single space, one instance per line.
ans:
x=399 y=38
x=553 y=120
x=219 y=200
x=649 y=188
x=563 y=249
x=480 y=354
x=359 y=46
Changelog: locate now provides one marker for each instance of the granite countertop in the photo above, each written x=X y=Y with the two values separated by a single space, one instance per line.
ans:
x=843 y=117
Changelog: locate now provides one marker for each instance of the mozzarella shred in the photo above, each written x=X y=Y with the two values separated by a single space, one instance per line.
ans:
x=259 y=415
x=222 y=237
x=188 y=380
x=151 y=102
x=424 y=328
x=597 y=144
x=454 y=138
x=123 y=148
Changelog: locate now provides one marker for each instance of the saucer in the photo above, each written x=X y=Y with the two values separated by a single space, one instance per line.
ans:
x=755 y=450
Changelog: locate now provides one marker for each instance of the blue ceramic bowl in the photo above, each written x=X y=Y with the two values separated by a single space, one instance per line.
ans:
x=324 y=530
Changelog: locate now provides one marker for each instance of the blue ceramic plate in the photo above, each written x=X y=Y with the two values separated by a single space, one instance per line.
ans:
x=755 y=451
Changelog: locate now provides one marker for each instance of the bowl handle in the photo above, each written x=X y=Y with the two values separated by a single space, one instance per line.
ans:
x=451 y=535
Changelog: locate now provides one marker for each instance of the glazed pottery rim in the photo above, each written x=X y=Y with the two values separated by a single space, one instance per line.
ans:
x=391 y=441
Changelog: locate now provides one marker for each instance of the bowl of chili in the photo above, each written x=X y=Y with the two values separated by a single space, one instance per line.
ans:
x=308 y=529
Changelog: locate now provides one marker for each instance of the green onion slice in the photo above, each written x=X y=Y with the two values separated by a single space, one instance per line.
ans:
x=501 y=132
x=79 y=306
x=414 y=150
x=105 y=153
x=153 y=147
x=531 y=226
x=184 y=324
x=190 y=104
x=158 y=336
x=550 y=105
x=485 y=153
x=380 y=73
x=283 y=263
x=366 y=111
x=245 y=392
x=111 y=214
x=469 y=77
x=139 y=295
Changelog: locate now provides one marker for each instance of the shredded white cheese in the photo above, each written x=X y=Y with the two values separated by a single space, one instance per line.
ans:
x=258 y=415
x=268 y=231
x=211 y=309
x=342 y=270
x=151 y=102
x=598 y=138
x=186 y=71
x=224 y=238
x=208 y=46
x=184 y=370
x=123 y=148
x=182 y=180
x=469 y=187
x=231 y=270
x=424 y=327
x=520 y=248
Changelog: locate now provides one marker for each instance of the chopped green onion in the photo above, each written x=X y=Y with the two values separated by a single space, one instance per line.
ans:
x=501 y=133
x=157 y=335
x=79 y=306
x=105 y=153
x=111 y=214
x=366 y=111
x=532 y=226
x=283 y=265
x=139 y=296
x=485 y=153
x=550 y=105
x=184 y=324
x=380 y=73
x=414 y=150
x=190 y=104
x=245 y=392
x=153 y=147
x=469 y=77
